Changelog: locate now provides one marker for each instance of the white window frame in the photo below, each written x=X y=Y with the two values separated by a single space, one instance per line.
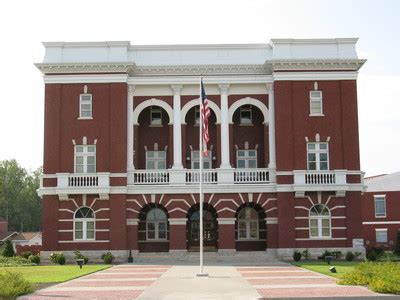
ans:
x=247 y=109
x=316 y=99
x=195 y=158
x=156 y=227
x=84 y=222
x=376 y=235
x=247 y=223
x=317 y=151
x=319 y=219
x=157 y=110
x=246 y=158
x=376 y=199
x=85 y=154
x=81 y=103
x=156 y=159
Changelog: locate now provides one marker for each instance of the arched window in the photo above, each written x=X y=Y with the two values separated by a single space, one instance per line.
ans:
x=320 y=221
x=248 y=224
x=156 y=224
x=84 y=224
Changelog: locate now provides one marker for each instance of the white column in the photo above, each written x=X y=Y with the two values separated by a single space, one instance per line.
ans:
x=130 y=166
x=271 y=133
x=176 y=89
x=225 y=162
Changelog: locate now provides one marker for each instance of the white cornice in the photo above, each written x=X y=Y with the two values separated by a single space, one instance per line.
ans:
x=200 y=46
x=109 y=67
x=89 y=78
x=314 y=64
x=87 y=44
x=303 y=76
x=238 y=79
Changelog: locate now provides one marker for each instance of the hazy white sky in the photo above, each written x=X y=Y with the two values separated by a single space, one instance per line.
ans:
x=24 y=24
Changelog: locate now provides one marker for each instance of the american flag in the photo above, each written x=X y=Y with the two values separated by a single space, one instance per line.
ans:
x=205 y=114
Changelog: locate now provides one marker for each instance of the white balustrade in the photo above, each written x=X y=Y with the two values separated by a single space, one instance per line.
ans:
x=95 y=180
x=251 y=176
x=151 y=177
x=193 y=176
x=320 y=177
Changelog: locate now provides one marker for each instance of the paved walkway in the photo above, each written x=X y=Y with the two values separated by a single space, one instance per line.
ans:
x=272 y=280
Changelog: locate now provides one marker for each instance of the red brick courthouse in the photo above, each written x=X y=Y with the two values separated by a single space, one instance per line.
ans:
x=121 y=152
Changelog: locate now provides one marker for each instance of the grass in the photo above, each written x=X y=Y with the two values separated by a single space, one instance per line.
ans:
x=53 y=274
x=342 y=267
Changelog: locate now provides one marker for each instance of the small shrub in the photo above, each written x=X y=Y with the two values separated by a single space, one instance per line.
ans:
x=306 y=254
x=79 y=255
x=387 y=256
x=396 y=249
x=372 y=255
x=57 y=258
x=12 y=285
x=35 y=259
x=326 y=253
x=350 y=256
x=26 y=254
x=107 y=258
x=8 y=249
x=337 y=254
x=296 y=255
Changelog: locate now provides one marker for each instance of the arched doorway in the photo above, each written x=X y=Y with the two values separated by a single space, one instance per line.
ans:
x=210 y=228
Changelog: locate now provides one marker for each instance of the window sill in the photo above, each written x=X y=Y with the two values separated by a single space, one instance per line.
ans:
x=156 y=125
x=85 y=118
x=381 y=217
x=154 y=241
x=317 y=115
x=246 y=125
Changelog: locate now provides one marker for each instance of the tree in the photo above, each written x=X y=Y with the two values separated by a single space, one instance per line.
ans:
x=8 y=250
x=19 y=203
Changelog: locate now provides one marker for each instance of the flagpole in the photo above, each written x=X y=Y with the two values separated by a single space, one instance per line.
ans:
x=201 y=273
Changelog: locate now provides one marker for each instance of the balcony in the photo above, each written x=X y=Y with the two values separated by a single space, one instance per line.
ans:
x=70 y=184
x=308 y=181
x=209 y=176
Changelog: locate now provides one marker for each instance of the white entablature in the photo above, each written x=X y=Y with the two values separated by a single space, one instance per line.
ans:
x=287 y=54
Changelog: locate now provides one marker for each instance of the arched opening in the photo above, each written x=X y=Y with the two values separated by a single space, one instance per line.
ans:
x=250 y=228
x=153 y=229
x=210 y=228
x=84 y=224
x=320 y=221
x=191 y=151
x=153 y=139
x=250 y=138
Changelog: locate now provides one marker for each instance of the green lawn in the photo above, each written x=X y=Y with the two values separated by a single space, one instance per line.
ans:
x=342 y=267
x=48 y=274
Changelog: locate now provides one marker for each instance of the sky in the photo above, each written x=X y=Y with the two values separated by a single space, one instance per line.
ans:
x=25 y=24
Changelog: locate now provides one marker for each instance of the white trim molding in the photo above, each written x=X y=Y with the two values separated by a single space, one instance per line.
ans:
x=248 y=101
x=150 y=102
x=195 y=102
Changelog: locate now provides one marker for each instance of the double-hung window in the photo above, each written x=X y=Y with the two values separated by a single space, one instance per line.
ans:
x=85 y=106
x=381 y=235
x=84 y=224
x=156 y=160
x=316 y=103
x=246 y=159
x=320 y=222
x=195 y=160
x=85 y=159
x=246 y=117
x=380 y=206
x=155 y=116
x=247 y=224
x=318 y=156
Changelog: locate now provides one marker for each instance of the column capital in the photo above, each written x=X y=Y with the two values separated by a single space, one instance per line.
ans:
x=223 y=88
x=176 y=89
x=131 y=89
x=270 y=87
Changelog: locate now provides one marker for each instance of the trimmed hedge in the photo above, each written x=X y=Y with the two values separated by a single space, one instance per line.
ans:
x=379 y=277
x=15 y=261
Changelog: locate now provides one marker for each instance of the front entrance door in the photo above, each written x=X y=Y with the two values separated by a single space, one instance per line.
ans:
x=209 y=231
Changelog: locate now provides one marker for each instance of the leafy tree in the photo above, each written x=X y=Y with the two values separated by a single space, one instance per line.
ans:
x=19 y=203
